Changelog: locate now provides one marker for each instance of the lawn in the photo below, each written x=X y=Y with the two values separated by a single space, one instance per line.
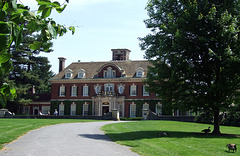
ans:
x=184 y=138
x=11 y=129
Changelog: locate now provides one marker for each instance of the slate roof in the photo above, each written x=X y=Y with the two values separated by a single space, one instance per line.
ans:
x=92 y=68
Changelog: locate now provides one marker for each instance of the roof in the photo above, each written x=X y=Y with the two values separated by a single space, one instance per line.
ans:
x=92 y=68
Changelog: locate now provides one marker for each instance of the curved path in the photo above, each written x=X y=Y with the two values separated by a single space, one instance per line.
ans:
x=73 y=139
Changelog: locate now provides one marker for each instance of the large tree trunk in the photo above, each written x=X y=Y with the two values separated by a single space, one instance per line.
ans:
x=216 y=130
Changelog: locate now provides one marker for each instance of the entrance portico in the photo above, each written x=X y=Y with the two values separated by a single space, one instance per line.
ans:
x=102 y=104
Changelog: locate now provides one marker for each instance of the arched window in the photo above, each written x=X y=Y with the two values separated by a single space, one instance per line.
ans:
x=68 y=74
x=145 y=106
x=85 y=90
x=133 y=110
x=61 y=109
x=109 y=73
x=145 y=93
x=62 y=91
x=74 y=91
x=120 y=89
x=97 y=88
x=81 y=73
x=85 y=109
x=159 y=108
x=73 y=108
x=133 y=90
x=139 y=72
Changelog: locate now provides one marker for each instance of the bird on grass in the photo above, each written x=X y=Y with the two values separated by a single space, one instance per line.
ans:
x=232 y=147
x=206 y=131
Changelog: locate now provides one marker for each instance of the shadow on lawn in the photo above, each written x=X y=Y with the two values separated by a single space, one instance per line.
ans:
x=138 y=135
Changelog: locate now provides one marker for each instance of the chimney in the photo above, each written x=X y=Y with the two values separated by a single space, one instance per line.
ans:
x=61 y=63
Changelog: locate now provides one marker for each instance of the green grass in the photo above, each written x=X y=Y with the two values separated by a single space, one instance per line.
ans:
x=184 y=138
x=11 y=129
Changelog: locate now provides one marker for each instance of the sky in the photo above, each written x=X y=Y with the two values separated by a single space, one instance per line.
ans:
x=101 y=25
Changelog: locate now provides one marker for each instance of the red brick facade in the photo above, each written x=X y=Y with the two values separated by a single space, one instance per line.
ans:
x=96 y=88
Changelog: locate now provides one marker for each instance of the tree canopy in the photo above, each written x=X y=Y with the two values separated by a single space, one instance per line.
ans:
x=14 y=19
x=194 y=46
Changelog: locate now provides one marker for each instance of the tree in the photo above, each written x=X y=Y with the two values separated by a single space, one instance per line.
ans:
x=29 y=70
x=195 y=51
x=14 y=18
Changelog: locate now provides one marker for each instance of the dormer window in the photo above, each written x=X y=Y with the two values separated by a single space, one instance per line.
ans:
x=109 y=73
x=81 y=73
x=140 y=72
x=68 y=74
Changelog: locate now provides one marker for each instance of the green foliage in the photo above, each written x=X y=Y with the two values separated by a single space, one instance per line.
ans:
x=184 y=138
x=194 y=48
x=232 y=117
x=204 y=117
x=14 y=18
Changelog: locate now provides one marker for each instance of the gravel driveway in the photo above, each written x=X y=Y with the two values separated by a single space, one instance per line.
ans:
x=72 y=139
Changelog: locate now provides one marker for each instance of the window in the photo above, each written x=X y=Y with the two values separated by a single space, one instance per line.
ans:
x=97 y=88
x=62 y=91
x=85 y=109
x=133 y=90
x=68 y=74
x=139 y=72
x=159 y=109
x=109 y=73
x=74 y=90
x=73 y=109
x=145 y=106
x=121 y=89
x=145 y=93
x=61 y=109
x=109 y=87
x=81 y=73
x=120 y=110
x=85 y=90
x=26 y=110
x=45 y=109
x=133 y=110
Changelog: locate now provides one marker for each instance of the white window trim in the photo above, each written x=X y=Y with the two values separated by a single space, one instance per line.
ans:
x=74 y=87
x=69 y=71
x=145 y=106
x=83 y=72
x=73 y=109
x=85 y=90
x=133 y=88
x=139 y=72
x=145 y=93
x=107 y=86
x=61 y=109
x=85 y=109
x=61 y=91
x=132 y=115
x=97 y=88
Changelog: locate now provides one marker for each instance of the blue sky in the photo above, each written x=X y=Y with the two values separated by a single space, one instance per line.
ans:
x=101 y=25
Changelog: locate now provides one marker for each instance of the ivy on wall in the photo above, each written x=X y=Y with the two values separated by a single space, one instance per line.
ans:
x=67 y=107
x=139 y=106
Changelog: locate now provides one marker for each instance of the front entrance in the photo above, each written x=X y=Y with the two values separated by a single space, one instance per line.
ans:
x=36 y=110
x=105 y=110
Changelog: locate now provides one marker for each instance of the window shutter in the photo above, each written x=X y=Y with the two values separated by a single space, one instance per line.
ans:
x=130 y=90
x=59 y=91
x=136 y=90
x=77 y=91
